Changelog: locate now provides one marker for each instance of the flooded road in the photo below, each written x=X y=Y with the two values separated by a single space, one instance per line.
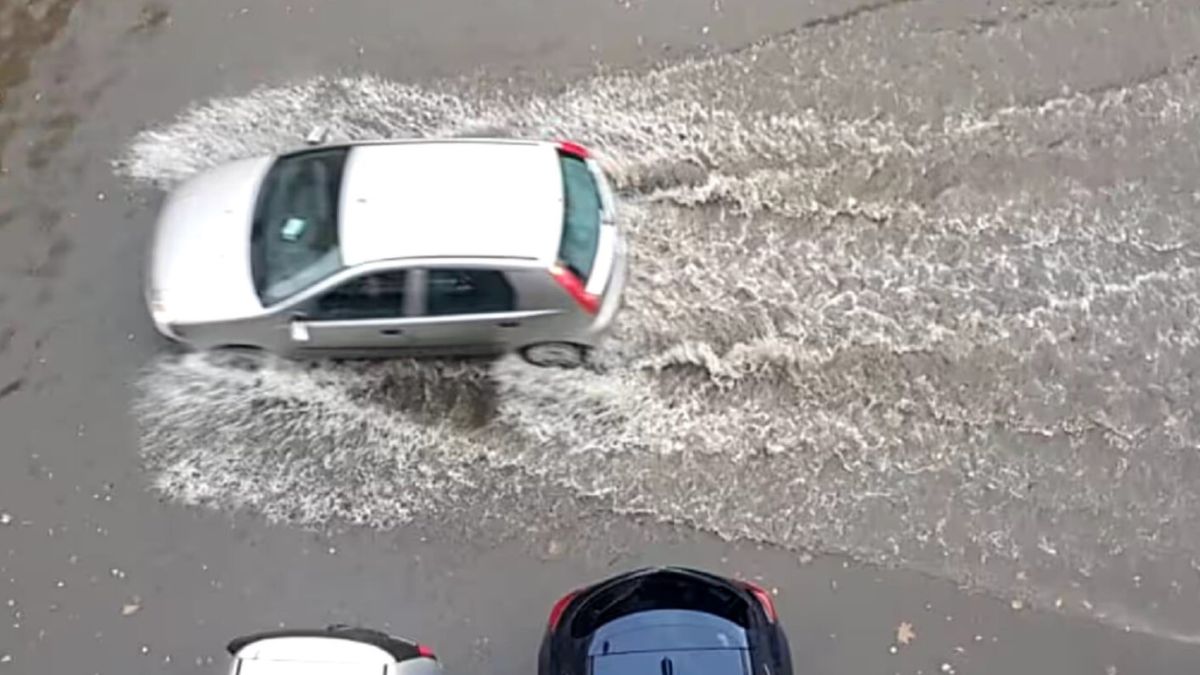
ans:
x=914 y=283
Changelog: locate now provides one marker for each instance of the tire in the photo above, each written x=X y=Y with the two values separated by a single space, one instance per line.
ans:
x=555 y=355
x=248 y=358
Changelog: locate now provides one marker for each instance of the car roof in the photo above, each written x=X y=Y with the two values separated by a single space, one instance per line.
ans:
x=666 y=629
x=311 y=655
x=348 y=652
x=685 y=662
x=465 y=198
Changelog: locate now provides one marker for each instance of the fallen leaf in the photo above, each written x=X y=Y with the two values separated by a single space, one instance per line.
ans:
x=905 y=633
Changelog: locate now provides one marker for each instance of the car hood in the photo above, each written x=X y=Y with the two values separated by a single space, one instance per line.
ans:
x=200 y=258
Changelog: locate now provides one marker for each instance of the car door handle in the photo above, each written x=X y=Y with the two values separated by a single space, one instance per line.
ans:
x=391 y=331
x=509 y=324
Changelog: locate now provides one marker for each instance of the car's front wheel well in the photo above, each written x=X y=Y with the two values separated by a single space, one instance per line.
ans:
x=556 y=354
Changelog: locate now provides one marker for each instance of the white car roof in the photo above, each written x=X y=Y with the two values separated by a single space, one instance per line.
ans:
x=322 y=655
x=312 y=655
x=453 y=198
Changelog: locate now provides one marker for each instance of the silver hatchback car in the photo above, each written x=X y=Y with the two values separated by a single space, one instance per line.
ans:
x=393 y=248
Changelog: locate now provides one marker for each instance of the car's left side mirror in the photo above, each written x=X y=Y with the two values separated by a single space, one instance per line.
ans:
x=298 y=329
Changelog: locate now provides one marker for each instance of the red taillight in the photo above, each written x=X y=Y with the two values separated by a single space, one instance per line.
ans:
x=575 y=288
x=559 y=607
x=574 y=149
x=426 y=652
x=764 y=599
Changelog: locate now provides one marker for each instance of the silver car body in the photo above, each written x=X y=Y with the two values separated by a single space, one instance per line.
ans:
x=431 y=222
x=324 y=655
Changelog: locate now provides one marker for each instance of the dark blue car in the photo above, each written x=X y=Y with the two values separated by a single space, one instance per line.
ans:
x=665 y=621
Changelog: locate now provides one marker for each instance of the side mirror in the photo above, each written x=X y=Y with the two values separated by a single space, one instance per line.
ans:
x=317 y=136
x=298 y=328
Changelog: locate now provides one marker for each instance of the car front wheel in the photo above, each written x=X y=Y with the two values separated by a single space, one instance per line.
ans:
x=555 y=355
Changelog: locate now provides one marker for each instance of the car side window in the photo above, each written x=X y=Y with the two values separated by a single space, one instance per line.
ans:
x=371 y=296
x=468 y=291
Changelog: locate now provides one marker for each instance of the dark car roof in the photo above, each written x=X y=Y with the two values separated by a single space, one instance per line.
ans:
x=685 y=662
x=667 y=629
x=669 y=642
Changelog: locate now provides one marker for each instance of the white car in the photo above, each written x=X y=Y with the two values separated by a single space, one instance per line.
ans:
x=336 y=650
x=462 y=246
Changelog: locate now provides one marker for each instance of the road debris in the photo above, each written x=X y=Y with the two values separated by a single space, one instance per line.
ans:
x=905 y=633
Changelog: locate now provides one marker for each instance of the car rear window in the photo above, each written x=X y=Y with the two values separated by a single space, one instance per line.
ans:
x=581 y=217
x=660 y=591
x=294 y=241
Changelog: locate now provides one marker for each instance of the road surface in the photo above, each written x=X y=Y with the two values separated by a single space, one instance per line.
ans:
x=910 y=335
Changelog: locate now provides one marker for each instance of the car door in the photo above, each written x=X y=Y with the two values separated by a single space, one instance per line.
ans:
x=362 y=316
x=465 y=310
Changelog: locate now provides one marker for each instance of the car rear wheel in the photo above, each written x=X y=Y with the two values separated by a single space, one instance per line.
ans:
x=555 y=355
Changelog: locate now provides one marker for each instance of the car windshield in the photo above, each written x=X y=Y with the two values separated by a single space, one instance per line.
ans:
x=581 y=217
x=294 y=242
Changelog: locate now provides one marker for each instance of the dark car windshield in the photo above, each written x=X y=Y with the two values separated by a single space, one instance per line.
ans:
x=294 y=242
x=581 y=217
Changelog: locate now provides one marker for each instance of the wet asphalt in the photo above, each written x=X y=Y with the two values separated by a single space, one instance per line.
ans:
x=107 y=565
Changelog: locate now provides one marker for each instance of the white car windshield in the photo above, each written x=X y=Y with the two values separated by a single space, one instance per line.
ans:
x=294 y=242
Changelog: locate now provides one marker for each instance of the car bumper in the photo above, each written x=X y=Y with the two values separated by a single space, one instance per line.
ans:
x=614 y=296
